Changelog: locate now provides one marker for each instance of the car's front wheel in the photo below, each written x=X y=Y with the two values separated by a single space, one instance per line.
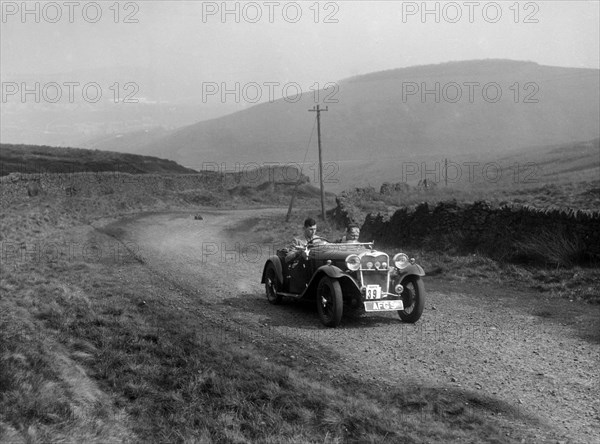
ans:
x=271 y=285
x=330 y=303
x=413 y=298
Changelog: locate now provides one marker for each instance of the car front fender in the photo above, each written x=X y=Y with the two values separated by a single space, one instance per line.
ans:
x=278 y=269
x=330 y=270
x=414 y=269
x=334 y=273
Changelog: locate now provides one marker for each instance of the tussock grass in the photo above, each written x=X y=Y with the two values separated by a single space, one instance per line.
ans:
x=552 y=249
x=46 y=395
x=85 y=360
x=102 y=350
x=172 y=376
x=549 y=262
x=576 y=283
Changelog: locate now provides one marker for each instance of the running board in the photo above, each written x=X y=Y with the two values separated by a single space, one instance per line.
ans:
x=289 y=295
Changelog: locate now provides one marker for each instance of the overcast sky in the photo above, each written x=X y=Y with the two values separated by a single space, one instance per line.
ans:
x=194 y=40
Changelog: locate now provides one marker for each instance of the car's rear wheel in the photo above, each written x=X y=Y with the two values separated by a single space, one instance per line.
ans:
x=330 y=303
x=271 y=285
x=413 y=298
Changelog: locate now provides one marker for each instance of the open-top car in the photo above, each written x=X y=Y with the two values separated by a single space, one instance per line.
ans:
x=348 y=274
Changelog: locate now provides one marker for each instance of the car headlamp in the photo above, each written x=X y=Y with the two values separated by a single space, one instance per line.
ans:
x=353 y=262
x=401 y=261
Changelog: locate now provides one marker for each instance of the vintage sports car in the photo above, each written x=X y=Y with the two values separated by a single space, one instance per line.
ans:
x=349 y=274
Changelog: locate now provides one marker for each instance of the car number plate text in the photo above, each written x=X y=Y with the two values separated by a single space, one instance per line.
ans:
x=373 y=292
x=384 y=305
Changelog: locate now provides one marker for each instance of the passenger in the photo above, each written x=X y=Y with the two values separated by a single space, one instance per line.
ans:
x=352 y=234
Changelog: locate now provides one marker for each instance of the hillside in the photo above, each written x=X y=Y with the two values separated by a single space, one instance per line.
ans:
x=29 y=159
x=557 y=163
x=519 y=169
x=377 y=117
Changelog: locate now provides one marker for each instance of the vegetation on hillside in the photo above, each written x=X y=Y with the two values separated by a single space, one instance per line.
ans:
x=386 y=116
x=551 y=262
x=109 y=359
x=33 y=159
x=493 y=174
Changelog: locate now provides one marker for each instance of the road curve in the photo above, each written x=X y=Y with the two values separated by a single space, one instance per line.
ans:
x=471 y=338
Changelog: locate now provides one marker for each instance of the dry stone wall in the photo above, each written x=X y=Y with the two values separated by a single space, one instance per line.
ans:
x=17 y=187
x=478 y=226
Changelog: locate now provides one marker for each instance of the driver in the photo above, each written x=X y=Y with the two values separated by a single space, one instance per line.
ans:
x=298 y=246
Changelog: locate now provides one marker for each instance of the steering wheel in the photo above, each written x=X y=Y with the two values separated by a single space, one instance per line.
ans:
x=316 y=238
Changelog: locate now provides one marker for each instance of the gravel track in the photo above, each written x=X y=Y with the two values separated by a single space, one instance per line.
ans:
x=540 y=358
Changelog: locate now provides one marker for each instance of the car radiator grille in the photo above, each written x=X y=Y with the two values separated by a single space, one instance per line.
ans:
x=376 y=278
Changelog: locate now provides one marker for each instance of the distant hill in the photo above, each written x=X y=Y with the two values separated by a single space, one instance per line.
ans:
x=45 y=159
x=377 y=119
x=162 y=99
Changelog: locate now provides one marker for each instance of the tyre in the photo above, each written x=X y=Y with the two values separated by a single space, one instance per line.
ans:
x=413 y=298
x=330 y=303
x=271 y=285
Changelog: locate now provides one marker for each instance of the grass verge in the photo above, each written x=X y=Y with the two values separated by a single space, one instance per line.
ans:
x=97 y=348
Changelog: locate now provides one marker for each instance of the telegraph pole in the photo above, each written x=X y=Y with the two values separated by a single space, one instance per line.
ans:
x=318 y=110
x=446 y=172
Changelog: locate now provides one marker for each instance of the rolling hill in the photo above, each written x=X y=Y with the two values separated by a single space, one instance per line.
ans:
x=480 y=107
x=31 y=159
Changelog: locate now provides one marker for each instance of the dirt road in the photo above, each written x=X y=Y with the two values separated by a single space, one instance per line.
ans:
x=541 y=358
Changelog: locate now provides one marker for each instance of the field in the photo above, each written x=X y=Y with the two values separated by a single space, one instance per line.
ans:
x=519 y=173
x=104 y=341
x=93 y=352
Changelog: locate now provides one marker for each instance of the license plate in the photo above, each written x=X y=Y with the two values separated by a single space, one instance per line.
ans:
x=373 y=292
x=383 y=305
